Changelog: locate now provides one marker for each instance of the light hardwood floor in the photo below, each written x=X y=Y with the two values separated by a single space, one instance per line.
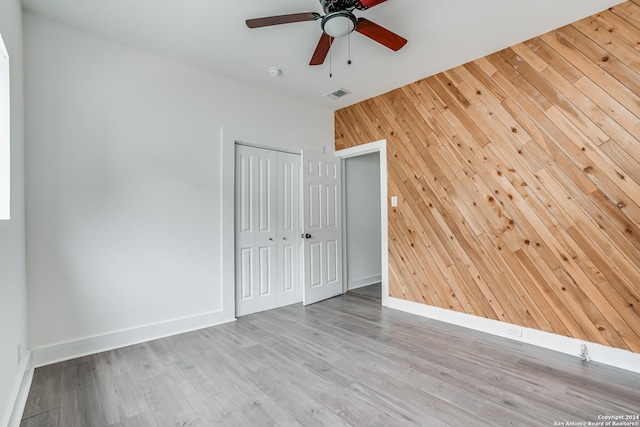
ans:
x=345 y=361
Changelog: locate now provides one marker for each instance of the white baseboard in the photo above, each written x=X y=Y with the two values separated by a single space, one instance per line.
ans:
x=20 y=393
x=598 y=353
x=365 y=281
x=59 y=352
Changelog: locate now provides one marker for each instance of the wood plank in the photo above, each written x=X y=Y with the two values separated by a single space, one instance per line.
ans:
x=601 y=125
x=629 y=12
x=43 y=396
x=44 y=419
x=556 y=61
x=621 y=28
x=552 y=134
x=616 y=60
x=599 y=168
x=609 y=41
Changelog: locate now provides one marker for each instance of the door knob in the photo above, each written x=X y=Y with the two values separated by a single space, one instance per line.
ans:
x=271 y=238
x=305 y=236
x=284 y=238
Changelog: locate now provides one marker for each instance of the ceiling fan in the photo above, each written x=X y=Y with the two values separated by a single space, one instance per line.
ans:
x=338 y=21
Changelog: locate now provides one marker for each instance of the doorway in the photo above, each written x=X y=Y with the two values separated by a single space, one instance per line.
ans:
x=362 y=222
x=378 y=148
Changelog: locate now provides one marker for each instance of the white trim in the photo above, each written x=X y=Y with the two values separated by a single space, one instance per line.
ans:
x=265 y=147
x=3 y=49
x=345 y=242
x=364 y=281
x=91 y=345
x=227 y=226
x=19 y=394
x=599 y=353
x=359 y=150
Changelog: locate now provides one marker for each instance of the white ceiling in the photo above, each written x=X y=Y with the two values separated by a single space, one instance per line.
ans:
x=212 y=34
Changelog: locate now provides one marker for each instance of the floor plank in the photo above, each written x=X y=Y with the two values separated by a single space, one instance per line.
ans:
x=346 y=361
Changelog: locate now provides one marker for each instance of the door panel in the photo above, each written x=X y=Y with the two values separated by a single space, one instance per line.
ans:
x=288 y=268
x=315 y=264
x=244 y=185
x=314 y=207
x=266 y=169
x=246 y=273
x=332 y=206
x=265 y=271
x=286 y=182
x=322 y=251
x=332 y=261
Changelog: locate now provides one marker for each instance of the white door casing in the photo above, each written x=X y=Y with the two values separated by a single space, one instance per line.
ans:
x=267 y=222
x=321 y=225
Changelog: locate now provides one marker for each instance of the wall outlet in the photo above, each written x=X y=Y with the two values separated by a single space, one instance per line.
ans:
x=584 y=353
x=514 y=331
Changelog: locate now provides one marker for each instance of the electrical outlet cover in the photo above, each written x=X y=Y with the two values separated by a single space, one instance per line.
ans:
x=514 y=332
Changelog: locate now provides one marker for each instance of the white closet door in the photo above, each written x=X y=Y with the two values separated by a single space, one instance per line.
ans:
x=266 y=263
x=322 y=250
x=289 y=247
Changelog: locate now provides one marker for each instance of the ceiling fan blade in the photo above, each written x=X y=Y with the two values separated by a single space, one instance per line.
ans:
x=370 y=3
x=380 y=34
x=282 y=19
x=321 y=50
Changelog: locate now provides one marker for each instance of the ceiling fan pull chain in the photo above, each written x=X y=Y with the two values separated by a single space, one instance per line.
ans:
x=349 y=48
x=330 y=63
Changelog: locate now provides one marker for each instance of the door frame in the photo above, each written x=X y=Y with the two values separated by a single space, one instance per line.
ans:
x=359 y=150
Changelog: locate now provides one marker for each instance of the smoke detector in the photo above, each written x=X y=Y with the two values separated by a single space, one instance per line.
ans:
x=274 y=71
x=338 y=94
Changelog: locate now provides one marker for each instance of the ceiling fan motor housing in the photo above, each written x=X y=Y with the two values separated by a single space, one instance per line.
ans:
x=366 y=4
x=330 y=6
x=335 y=5
x=339 y=24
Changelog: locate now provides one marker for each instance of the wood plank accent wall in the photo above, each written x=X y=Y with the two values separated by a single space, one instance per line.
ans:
x=518 y=180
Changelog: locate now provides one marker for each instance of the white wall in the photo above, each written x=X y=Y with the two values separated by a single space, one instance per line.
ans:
x=362 y=187
x=124 y=186
x=5 y=137
x=13 y=310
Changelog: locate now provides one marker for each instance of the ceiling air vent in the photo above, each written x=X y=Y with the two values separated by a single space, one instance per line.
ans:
x=338 y=94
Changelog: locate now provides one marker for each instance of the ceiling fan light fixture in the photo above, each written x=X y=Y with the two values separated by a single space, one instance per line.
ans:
x=339 y=24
